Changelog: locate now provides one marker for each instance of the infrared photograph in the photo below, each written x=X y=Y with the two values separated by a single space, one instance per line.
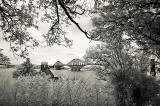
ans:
x=79 y=52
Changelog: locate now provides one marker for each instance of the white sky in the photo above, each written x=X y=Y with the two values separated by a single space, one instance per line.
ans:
x=56 y=53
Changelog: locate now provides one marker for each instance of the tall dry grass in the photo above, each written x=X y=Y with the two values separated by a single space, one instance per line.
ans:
x=39 y=91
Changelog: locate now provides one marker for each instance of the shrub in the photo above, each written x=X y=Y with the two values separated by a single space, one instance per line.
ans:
x=102 y=74
x=133 y=88
x=25 y=69
x=39 y=91
x=16 y=74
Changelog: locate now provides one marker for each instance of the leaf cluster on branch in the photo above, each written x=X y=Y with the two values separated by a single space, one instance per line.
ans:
x=17 y=16
x=138 y=19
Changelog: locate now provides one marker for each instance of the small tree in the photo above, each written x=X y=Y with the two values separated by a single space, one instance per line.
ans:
x=25 y=69
x=4 y=59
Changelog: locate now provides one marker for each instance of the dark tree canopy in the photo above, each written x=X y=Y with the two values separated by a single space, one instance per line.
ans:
x=16 y=16
x=138 y=19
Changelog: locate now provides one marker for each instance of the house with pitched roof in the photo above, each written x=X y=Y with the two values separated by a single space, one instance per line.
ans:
x=58 y=65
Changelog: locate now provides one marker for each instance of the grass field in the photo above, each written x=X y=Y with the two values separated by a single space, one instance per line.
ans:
x=75 y=89
x=89 y=76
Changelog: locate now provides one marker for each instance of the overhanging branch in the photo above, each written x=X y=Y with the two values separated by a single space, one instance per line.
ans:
x=72 y=20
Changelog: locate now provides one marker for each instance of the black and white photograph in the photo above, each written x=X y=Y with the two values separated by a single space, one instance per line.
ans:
x=79 y=52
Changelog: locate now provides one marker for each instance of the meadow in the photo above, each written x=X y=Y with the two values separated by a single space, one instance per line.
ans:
x=73 y=89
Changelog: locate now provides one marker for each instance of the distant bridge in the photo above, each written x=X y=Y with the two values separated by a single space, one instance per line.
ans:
x=77 y=64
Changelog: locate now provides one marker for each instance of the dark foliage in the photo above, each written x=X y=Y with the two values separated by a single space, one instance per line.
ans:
x=138 y=19
x=133 y=88
x=25 y=69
